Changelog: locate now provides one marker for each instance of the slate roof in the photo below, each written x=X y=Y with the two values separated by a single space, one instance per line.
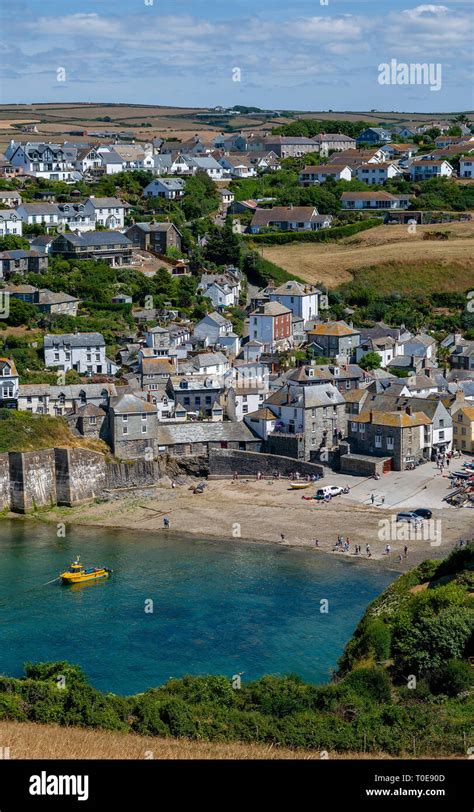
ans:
x=203 y=432
x=107 y=203
x=97 y=238
x=74 y=340
x=130 y=404
x=271 y=309
x=294 y=288
x=209 y=359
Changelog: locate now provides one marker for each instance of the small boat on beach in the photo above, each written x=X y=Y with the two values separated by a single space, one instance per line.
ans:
x=78 y=574
x=299 y=486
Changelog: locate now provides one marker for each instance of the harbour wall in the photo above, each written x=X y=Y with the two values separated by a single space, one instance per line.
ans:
x=71 y=476
x=227 y=462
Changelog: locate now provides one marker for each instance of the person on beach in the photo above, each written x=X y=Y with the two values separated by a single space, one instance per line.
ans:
x=166 y=523
x=388 y=549
x=400 y=558
x=367 y=549
x=405 y=551
x=316 y=542
x=282 y=536
x=372 y=498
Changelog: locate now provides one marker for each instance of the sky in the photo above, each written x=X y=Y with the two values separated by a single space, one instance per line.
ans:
x=274 y=54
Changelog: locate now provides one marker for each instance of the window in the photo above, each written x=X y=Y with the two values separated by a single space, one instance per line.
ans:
x=144 y=416
x=125 y=418
x=92 y=421
x=378 y=441
x=353 y=426
x=245 y=409
x=124 y=429
x=144 y=429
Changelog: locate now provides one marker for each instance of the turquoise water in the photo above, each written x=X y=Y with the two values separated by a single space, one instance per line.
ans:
x=219 y=607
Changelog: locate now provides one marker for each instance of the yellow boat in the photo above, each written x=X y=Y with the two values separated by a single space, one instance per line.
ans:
x=299 y=486
x=78 y=574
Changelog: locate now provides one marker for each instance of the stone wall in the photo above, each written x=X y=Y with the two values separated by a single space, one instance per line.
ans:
x=134 y=474
x=4 y=482
x=32 y=480
x=226 y=462
x=286 y=445
x=80 y=475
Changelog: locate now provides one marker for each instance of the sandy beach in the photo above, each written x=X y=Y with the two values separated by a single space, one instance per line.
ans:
x=269 y=511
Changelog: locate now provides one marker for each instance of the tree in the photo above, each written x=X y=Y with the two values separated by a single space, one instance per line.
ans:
x=223 y=246
x=371 y=360
x=13 y=243
x=22 y=313
x=187 y=286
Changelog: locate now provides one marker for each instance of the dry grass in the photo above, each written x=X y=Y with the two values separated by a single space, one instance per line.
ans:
x=27 y=740
x=333 y=264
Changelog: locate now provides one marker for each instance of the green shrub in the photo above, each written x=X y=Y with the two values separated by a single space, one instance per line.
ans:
x=12 y=707
x=373 y=683
x=452 y=678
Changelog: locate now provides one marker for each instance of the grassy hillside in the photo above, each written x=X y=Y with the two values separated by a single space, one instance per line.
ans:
x=417 y=277
x=404 y=687
x=29 y=740
x=22 y=431
x=381 y=249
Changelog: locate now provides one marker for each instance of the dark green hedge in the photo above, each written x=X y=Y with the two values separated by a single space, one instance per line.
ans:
x=324 y=235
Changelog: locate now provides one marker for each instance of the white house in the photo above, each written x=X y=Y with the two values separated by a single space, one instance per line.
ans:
x=75 y=216
x=377 y=173
x=87 y=160
x=111 y=162
x=425 y=170
x=374 y=200
x=226 y=196
x=42 y=160
x=206 y=164
x=261 y=422
x=10 y=222
x=239 y=166
x=10 y=198
x=106 y=211
x=289 y=218
x=210 y=363
x=214 y=327
x=222 y=289
x=466 y=167
x=318 y=174
x=168 y=188
x=243 y=400
x=84 y=352
x=9 y=382
x=301 y=299
x=44 y=214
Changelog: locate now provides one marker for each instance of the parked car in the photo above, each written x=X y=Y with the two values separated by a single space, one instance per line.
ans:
x=425 y=513
x=329 y=490
x=412 y=518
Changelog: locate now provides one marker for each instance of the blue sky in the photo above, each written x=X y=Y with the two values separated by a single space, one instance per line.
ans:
x=291 y=55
